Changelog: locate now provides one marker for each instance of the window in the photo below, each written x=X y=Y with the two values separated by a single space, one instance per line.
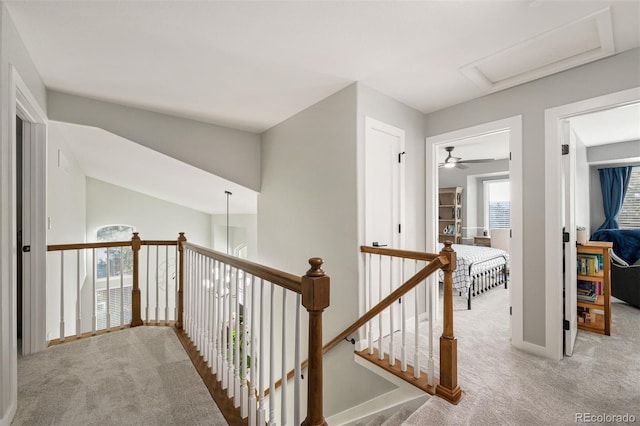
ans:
x=120 y=258
x=629 y=216
x=497 y=206
x=120 y=264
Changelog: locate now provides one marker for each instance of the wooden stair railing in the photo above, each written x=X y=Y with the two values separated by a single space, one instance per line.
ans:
x=313 y=289
x=447 y=388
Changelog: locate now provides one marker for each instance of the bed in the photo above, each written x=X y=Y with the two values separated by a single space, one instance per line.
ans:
x=478 y=269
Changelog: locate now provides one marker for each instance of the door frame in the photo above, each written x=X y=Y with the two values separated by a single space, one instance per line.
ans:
x=553 y=206
x=514 y=125
x=24 y=105
x=370 y=123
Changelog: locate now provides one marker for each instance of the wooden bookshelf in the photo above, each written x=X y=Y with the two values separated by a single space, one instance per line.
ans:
x=595 y=316
x=450 y=214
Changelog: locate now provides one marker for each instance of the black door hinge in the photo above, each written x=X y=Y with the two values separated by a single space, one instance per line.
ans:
x=566 y=324
x=510 y=310
x=400 y=156
x=399 y=228
x=509 y=156
x=565 y=149
x=565 y=237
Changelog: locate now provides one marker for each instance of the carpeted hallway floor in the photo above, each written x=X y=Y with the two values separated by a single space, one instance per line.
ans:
x=138 y=376
x=505 y=386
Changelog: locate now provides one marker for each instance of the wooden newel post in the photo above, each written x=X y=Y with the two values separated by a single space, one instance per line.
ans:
x=181 y=240
x=315 y=298
x=136 y=318
x=448 y=387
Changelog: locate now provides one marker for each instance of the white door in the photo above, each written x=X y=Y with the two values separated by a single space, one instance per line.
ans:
x=569 y=219
x=384 y=186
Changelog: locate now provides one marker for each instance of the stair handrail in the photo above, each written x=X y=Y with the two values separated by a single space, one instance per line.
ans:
x=314 y=288
x=445 y=260
x=436 y=261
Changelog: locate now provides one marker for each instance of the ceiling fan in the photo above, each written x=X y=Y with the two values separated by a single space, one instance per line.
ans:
x=451 y=161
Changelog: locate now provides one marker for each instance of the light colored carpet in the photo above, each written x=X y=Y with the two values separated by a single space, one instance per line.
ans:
x=505 y=386
x=138 y=376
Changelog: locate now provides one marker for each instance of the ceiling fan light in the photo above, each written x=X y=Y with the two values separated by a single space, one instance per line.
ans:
x=449 y=165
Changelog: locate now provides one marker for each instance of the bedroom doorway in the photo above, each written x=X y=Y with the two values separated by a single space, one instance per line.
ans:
x=558 y=122
x=511 y=129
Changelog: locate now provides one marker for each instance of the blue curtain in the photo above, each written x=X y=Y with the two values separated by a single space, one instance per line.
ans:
x=613 y=183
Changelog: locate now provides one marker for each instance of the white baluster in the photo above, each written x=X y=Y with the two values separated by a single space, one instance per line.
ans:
x=380 y=352
x=146 y=309
x=62 y=295
x=431 y=290
x=93 y=291
x=368 y=284
x=122 y=287
x=297 y=378
x=229 y=346
x=108 y=326
x=283 y=388
x=187 y=292
x=211 y=316
x=392 y=352
x=200 y=301
x=214 y=312
x=252 y=370
x=236 y=341
x=416 y=349
x=272 y=360
x=220 y=320
x=244 y=402
x=403 y=325
x=225 y=328
x=166 y=285
x=205 y=302
x=175 y=285
x=261 y=384
x=78 y=319
x=157 y=285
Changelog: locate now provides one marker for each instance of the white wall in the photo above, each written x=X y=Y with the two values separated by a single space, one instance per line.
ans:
x=242 y=227
x=153 y=218
x=613 y=74
x=66 y=209
x=307 y=207
x=228 y=153
x=602 y=156
x=12 y=52
x=582 y=185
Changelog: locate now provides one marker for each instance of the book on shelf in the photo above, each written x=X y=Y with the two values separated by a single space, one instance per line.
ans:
x=587 y=295
x=595 y=286
x=589 y=264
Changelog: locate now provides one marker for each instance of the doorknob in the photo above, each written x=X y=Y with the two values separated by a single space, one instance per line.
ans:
x=26 y=249
x=377 y=244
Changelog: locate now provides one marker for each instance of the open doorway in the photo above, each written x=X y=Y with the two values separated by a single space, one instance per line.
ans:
x=478 y=184
x=19 y=209
x=600 y=133
x=558 y=123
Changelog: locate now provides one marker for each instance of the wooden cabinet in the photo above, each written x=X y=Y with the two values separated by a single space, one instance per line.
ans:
x=594 y=287
x=450 y=215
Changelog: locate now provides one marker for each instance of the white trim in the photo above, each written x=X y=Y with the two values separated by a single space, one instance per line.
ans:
x=514 y=125
x=23 y=103
x=373 y=124
x=553 y=206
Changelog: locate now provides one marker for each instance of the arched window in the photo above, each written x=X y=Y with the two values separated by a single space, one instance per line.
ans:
x=120 y=258
x=117 y=264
